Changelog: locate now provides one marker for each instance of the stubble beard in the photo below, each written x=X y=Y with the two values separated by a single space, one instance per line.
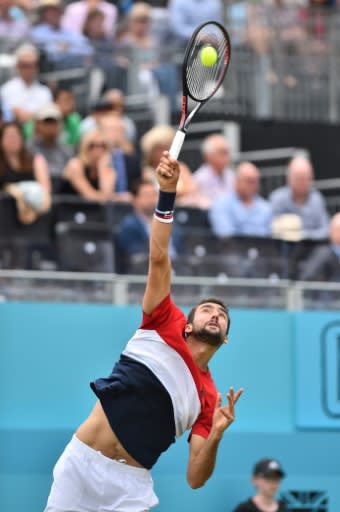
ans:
x=215 y=339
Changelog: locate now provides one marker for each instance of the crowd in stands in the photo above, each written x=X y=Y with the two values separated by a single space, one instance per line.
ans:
x=49 y=149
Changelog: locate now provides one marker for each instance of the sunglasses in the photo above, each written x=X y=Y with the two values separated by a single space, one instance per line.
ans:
x=94 y=145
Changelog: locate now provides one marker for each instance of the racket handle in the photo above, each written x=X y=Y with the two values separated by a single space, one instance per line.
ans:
x=177 y=144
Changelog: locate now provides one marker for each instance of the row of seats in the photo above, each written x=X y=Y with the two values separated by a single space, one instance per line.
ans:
x=79 y=235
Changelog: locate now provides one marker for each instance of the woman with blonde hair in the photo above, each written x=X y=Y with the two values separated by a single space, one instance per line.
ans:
x=152 y=144
x=90 y=173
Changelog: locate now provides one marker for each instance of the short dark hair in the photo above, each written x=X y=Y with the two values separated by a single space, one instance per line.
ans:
x=220 y=302
x=61 y=90
x=138 y=183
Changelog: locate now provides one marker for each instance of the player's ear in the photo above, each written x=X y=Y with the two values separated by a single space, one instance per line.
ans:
x=188 y=329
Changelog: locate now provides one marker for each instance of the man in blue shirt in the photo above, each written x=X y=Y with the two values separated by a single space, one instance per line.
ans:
x=62 y=47
x=300 y=198
x=184 y=17
x=242 y=212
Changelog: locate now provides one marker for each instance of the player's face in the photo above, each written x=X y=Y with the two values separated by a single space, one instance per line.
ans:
x=267 y=486
x=210 y=324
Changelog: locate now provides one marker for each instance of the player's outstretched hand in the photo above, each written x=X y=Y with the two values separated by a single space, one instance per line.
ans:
x=167 y=173
x=224 y=415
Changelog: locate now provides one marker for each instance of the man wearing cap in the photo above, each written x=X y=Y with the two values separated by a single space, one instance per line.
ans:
x=267 y=476
x=46 y=143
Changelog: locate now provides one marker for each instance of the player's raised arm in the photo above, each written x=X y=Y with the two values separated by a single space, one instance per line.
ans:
x=159 y=274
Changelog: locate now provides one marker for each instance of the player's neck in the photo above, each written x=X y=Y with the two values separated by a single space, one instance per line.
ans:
x=201 y=352
x=265 y=503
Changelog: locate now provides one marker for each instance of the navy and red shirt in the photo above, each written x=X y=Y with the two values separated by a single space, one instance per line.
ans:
x=156 y=391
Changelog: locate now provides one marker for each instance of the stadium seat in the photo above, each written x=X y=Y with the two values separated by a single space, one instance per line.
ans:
x=78 y=210
x=84 y=247
x=23 y=242
x=299 y=253
x=252 y=257
x=192 y=217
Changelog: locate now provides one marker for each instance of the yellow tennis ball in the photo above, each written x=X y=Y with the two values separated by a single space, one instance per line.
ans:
x=208 y=56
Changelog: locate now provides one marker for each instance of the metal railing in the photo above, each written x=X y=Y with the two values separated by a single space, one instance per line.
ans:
x=68 y=287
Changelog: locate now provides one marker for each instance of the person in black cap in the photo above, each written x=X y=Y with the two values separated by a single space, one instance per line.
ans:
x=267 y=476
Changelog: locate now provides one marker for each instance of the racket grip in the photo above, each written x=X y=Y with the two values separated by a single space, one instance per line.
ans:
x=177 y=144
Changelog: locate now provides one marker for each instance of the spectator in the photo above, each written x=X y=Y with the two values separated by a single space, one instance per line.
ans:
x=103 y=45
x=46 y=143
x=76 y=12
x=267 y=476
x=242 y=212
x=153 y=143
x=99 y=109
x=186 y=16
x=125 y=162
x=12 y=30
x=24 y=95
x=299 y=197
x=71 y=120
x=117 y=99
x=62 y=47
x=215 y=177
x=132 y=238
x=23 y=175
x=324 y=261
x=138 y=49
x=90 y=174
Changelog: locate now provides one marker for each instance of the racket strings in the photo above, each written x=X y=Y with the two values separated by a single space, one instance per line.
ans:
x=203 y=81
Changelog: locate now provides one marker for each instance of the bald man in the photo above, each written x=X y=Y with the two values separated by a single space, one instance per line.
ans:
x=300 y=198
x=242 y=211
x=324 y=262
x=215 y=177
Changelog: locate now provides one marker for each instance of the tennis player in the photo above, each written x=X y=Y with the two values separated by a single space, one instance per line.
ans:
x=160 y=387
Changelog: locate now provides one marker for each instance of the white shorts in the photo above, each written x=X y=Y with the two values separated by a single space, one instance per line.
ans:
x=86 y=480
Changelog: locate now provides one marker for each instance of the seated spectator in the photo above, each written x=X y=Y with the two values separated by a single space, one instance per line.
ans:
x=117 y=99
x=324 y=262
x=186 y=16
x=70 y=133
x=300 y=198
x=76 y=12
x=13 y=29
x=242 y=212
x=138 y=49
x=23 y=175
x=99 y=109
x=132 y=238
x=46 y=140
x=62 y=47
x=23 y=94
x=215 y=177
x=124 y=160
x=267 y=476
x=103 y=46
x=90 y=173
x=153 y=143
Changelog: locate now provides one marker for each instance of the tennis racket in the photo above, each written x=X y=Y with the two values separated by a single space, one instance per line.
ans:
x=199 y=81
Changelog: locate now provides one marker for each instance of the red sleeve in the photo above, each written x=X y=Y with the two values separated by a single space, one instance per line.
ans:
x=164 y=314
x=202 y=425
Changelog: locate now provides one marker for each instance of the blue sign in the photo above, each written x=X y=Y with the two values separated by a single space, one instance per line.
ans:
x=317 y=370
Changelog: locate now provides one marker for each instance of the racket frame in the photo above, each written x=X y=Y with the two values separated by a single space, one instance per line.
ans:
x=186 y=118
